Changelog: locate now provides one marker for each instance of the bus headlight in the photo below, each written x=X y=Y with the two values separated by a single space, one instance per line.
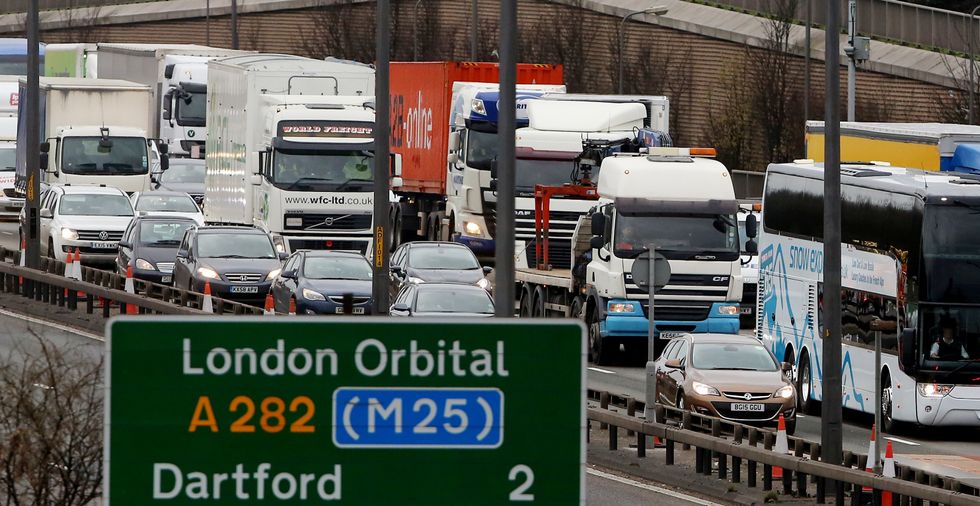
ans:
x=934 y=389
x=728 y=309
x=622 y=307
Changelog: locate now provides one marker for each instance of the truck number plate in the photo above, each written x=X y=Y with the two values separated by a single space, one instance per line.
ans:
x=357 y=310
x=745 y=310
x=103 y=245
x=244 y=289
x=747 y=406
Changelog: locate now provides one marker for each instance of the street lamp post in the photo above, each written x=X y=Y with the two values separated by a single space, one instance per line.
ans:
x=970 y=36
x=657 y=11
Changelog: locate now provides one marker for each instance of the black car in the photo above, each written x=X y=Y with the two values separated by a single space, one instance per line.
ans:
x=150 y=246
x=239 y=262
x=435 y=262
x=318 y=281
x=184 y=175
x=442 y=299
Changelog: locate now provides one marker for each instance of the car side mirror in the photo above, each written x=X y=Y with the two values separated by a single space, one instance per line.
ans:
x=597 y=242
x=290 y=274
x=907 y=351
x=674 y=363
x=487 y=270
x=786 y=367
x=751 y=226
x=182 y=253
x=125 y=244
x=401 y=307
x=598 y=224
x=46 y=213
x=752 y=247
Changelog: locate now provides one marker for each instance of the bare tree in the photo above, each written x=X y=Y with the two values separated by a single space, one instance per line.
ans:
x=339 y=31
x=731 y=130
x=563 y=37
x=51 y=427
x=81 y=24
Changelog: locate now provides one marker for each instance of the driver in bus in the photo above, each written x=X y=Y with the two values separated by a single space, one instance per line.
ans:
x=948 y=347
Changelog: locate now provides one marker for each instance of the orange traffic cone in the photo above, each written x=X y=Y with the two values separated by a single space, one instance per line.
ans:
x=782 y=446
x=78 y=264
x=869 y=465
x=888 y=471
x=130 y=288
x=270 y=305
x=206 y=304
x=69 y=269
x=292 y=306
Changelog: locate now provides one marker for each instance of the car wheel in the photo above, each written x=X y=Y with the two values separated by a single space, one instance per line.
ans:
x=804 y=386
x=600 y=350
x=50 y=248
x=681 y=406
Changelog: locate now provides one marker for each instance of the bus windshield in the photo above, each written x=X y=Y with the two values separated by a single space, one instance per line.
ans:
x=950 y=345
x=678 y=237
x=951 y=253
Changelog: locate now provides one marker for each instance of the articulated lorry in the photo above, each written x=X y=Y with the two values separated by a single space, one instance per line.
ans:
x=444 y=127
x=291 y=149
x=928 y=146
x=177 y=75
x=93 y=131
x=547 y=151
x=72 y=60
x=682 y=204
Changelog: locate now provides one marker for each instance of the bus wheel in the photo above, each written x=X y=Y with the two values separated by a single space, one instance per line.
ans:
x=888 y=423
x=804 y=387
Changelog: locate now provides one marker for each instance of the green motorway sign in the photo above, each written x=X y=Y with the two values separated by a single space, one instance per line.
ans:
x=347 y=410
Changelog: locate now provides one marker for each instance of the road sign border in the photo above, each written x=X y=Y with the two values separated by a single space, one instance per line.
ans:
x=583 y=390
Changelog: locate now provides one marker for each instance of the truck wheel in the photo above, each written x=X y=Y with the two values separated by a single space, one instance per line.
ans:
x=600 y=350
x=537 y=307
x=576 y=310
x=525 y=303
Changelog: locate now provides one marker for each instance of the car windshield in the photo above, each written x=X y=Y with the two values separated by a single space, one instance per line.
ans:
x=531 y=171
x=89 y=156
x=95 y=205
x=183 y=173
x=235 y=246
x=451 y=258
x=166 y=203
x=191 y=108
x=163 y=233
x=321 y=170
x=680 y=237
x=733 y=357
x=337 y=268
x=8 y=159
x=453 y=300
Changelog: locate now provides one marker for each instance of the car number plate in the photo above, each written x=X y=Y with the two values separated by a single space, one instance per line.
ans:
x=103 y=245
x=670 y=335
x=166 y=279
x=244 y=289
x=357 y=310
x=746 y=310
x=747 y=406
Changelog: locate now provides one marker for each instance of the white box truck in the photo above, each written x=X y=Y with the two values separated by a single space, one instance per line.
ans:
x=93 y=131
x=290 y=149
x=10 y=200
x=71 y=60
x=177 y=75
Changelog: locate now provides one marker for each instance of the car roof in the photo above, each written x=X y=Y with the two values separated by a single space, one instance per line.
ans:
x=165 y=193
x=723 y=339
x=436 y=244
x=88 y=189
x=227 y=229
x=164 y=217
x=464 y=286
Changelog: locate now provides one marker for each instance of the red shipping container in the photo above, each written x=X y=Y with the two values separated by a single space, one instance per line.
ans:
x=421 y=95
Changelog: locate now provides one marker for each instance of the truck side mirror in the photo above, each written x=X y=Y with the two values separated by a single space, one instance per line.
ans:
x=45 y=147
x=907 y=351
x=597 y=242
x=751 y=226
x=395 y=164
x=164 y=162
x=44 y=160
x=493 y=168
x=163 y=147
x=168 y=102
x=454 y=142
x=598 y=224
x=168 y=71
x=752 y=247
x=261 y=170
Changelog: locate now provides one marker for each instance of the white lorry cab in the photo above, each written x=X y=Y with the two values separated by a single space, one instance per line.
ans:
x=291 y=149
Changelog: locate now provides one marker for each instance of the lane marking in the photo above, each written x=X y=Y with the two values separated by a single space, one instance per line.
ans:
x=603 y=371
x=903 y=441
x=651 y=488
x=4 y=232
x=51 y=324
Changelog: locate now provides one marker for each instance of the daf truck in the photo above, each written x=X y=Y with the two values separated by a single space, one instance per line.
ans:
x=444 y=127
x=291 y=149
x=93 y=131
x=684 y=206
x=177 y=75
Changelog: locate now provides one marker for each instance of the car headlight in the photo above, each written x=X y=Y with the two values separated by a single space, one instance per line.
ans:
x=483 y=283
x=702 y=389
x=143 y=264
x=472 y=228
x=311 y=295
x=272 y=274
x=206 y=272
x=622 y=307
x=728 y=309
x=784 y=393
x=69 y=234
x=414 y=280
x=934 y=389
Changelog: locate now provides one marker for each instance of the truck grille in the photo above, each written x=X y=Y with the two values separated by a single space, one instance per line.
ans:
x=490 y=217
x=95 y=235
x=328 y=244
x=679 y=311
x=243 y=277
x=700 y=285
x=321 y=221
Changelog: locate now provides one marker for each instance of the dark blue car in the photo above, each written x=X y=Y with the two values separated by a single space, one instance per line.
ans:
x=319 y=280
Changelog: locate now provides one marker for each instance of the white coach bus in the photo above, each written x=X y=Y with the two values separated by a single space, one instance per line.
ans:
x=910 y=275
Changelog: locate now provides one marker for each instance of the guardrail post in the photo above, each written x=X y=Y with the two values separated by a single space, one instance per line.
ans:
x=669 y=447
x=630 y=412
x=708 y=461
x=698 y=461
x=89 y=303
x=72 y=299
x=787 y=481
x=800 y=477
x=106 y=306
x=753 y=473
x=766 y=477
x=821 y=490
x=736 y=469
x=686 y=423
x=856 y=495
x=641 y=445
x=613 y=437
x=604 y=404
x=839 y=492
x=722 y=466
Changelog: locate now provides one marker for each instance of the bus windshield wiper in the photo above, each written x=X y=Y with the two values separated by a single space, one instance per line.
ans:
x=966 y=362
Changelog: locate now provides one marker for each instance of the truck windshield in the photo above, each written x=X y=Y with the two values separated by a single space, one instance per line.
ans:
x=84 y=155
x=532 y=171
x=481 y=148
x=678 y=236
x=322 y=170
x=191 y=107
x=8 y=159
